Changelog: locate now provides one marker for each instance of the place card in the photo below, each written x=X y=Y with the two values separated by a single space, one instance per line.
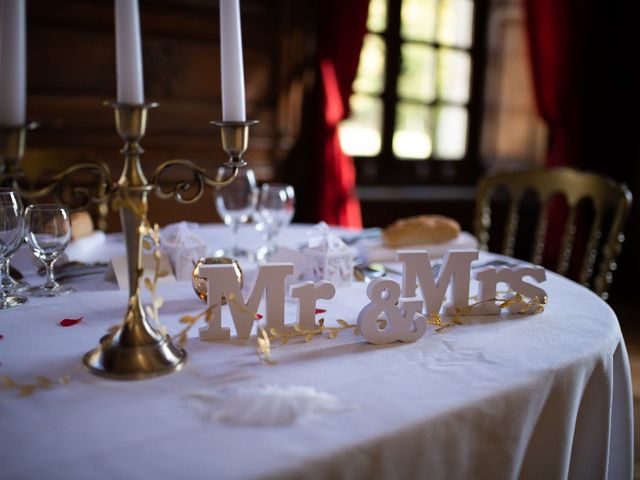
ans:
x=119 y=272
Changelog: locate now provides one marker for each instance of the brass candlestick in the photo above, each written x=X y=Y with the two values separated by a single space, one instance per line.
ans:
x=136 y=349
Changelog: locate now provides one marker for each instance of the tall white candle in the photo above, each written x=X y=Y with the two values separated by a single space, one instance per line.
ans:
x=12 y=63
x=128 y=52
x=231 y=69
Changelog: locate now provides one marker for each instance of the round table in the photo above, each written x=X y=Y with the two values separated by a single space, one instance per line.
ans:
x=509 y=396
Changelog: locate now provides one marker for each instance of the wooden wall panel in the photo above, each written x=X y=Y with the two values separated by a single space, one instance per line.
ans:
x=71 y=71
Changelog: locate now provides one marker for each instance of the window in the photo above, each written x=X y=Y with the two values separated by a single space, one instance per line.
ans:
x=413 y=110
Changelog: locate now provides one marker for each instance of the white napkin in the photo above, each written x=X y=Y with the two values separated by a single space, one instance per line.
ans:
x=373 y=250
x=184 y=246
x=87 y=248
x=265 y=406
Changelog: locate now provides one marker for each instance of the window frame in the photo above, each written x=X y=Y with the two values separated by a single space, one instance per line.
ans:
x=386 y=168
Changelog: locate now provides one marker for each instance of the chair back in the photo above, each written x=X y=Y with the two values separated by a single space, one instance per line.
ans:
x=608 y=199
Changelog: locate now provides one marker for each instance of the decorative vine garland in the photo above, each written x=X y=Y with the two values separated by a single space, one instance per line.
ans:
x=264 y=337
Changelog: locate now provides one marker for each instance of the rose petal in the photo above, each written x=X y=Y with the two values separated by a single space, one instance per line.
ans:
x=259 y=316
x=68 y=322
x=320 y=310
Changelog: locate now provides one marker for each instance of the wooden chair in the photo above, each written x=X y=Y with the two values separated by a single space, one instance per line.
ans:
x=610 y=202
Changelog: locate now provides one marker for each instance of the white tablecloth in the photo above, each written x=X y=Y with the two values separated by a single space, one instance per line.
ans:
x=542 y=396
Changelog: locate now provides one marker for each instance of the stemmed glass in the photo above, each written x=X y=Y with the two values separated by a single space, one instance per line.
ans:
x=48 y=234
x=276 y=206
x=9 y=284
x=236 y=203
x=11 y=234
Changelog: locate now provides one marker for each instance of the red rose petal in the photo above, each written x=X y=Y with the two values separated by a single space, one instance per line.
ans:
x=259 y=316
x=68 y=322
x=320 y=310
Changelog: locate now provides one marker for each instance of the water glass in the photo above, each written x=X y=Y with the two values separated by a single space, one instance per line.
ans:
x=276 y=206
x=236 y=203
x=11 y=234
x=9 y=284
x=48 y=234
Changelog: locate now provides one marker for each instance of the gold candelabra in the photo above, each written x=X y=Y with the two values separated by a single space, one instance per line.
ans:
x=136 y=349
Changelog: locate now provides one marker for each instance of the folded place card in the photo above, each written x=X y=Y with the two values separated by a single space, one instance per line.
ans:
x=184 y=246
x=327 y=257
x=118 y=268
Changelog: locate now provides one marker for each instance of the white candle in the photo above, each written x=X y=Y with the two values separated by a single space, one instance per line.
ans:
x=128 y=52
x=12 y=63
x=231 y=69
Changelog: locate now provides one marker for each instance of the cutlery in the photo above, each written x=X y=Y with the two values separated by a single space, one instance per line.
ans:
x=81 y=272
x=70 y=269
x=366 y=233
x=15 y=273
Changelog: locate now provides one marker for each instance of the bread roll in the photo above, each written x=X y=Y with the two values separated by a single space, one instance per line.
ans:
x=81 y=225
x=419 y=230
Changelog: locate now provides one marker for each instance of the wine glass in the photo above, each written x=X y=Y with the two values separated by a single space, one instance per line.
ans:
x=276 y=206
x=236 y=203
x=11 y=234
x=9 y=284
x=48 y=234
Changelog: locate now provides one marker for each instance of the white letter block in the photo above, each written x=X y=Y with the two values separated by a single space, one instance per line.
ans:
x=456 y=267
x=307 y=294
x=489 y=279
x=222 y=281
x=403 y=321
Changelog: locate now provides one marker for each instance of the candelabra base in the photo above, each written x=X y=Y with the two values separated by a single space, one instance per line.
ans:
x=114 y=360
x=135 y=350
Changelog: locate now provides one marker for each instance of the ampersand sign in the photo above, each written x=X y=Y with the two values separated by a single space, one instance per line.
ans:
x=403 y=322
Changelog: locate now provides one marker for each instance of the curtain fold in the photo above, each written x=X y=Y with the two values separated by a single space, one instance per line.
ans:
x=555 y=46
x=340 y=35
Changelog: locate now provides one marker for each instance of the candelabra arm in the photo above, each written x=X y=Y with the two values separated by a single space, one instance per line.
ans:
x=183 y=191
x=62 y=187
x=235 y=139
x=77 y=197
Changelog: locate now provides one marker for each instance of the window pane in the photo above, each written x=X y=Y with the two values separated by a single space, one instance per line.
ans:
x=451 y=132
x=377 y=16
x=418 y=20
x=417 y=76
x=455 y=23
x=454 y=75
x=412 y=135
x=360 y=134
x=370 y=76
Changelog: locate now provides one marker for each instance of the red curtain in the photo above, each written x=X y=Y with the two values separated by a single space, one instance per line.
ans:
x=555 y=48
x=341 y=32
x=556 y=39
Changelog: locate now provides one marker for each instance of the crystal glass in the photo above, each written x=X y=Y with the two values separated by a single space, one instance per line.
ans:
x=236 y=203
x=9 y=284
x=11 y=234
x=48 y=234
x=276 y=206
